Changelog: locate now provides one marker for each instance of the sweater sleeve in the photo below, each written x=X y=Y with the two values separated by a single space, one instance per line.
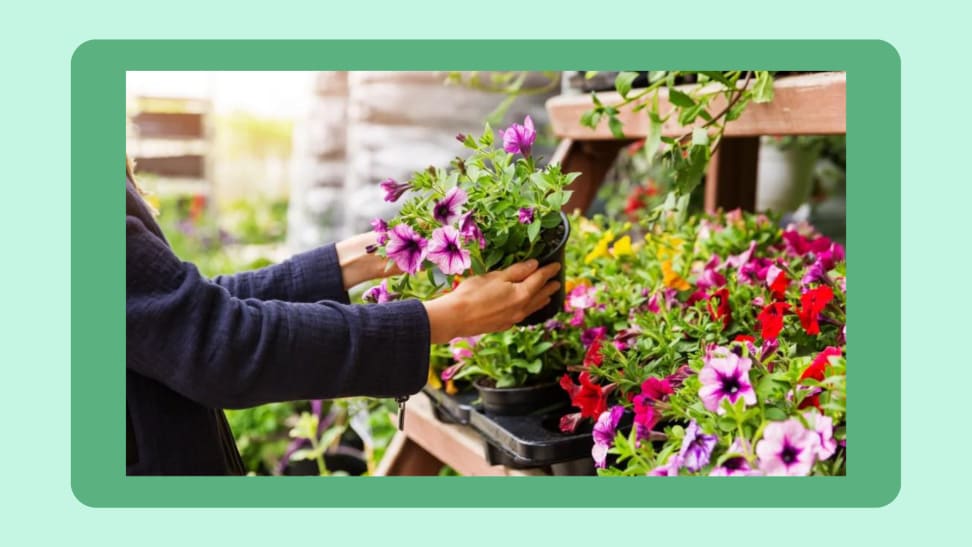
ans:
x=197 y=338
x=306 y=277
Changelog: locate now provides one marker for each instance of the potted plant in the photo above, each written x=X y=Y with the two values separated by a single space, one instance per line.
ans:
x=515 y=371
x=485 y=212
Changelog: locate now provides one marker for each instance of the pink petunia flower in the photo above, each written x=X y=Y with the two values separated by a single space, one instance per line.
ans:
x=725 y=376
x=519 y=138
x=787 y=448
x=406 y=248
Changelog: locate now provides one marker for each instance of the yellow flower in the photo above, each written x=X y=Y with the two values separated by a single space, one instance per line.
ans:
x=622 y=247
x=601 y=249
x=434 y=381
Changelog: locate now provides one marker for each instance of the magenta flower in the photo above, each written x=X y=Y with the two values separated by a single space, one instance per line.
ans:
x=379 y=294
x=604 y=429
x=450 y=207
x=696 y=448
x=725 y=376
x=381 y=228
x=653 y=304
x=470 y=231
x=406 y=248
x=525 y=215
x=394 y=190
x=625 y=338
x=787 y=448
x=446 y=252
x=519 y=138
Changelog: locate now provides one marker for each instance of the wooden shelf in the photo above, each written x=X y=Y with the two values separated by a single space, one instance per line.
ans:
x=427 y=443
x=811 y=104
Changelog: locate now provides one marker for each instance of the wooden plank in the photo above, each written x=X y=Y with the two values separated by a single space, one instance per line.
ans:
x=810 y=104
x=593 y=160
x=731 y=179
x=457 y=446
x=185 y=166
x=170 y=125
x=404 y=457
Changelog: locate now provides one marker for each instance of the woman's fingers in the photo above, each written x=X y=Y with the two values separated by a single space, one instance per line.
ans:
x=520 y=271
x=539 y=278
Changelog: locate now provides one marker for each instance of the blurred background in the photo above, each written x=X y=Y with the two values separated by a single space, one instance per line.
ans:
x=247 y=168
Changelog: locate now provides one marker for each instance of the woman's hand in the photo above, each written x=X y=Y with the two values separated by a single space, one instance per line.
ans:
x=492 y=302
x=358 y=265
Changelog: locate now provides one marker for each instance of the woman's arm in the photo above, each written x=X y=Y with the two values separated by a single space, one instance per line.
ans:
x=325 y=273
x=223 y=351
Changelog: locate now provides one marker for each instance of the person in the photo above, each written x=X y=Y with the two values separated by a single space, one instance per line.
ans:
x=195 y=346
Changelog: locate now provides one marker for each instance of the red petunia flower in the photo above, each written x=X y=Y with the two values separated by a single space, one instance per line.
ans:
x=771 y=319
x=722 y=310
x=817 y=371
x=593 y=357
x=744 y=338
x=812 y=303
x=778 y=286
x=589 y=397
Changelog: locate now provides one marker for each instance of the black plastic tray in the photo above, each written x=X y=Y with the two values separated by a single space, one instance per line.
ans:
x=533 y=439
x=453 y=409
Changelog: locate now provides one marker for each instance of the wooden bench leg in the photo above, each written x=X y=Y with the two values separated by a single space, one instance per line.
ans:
x=593 y=159
x=405 y=457
x=731 y=178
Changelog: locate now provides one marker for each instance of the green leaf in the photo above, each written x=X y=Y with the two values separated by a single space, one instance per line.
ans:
x=616 y=127
x=533 y=367
x=494 y=256
x=678 y=98
x=551 y=219
x=655 y=75
x=533 y=231
x=763 y=88
x=623 y=81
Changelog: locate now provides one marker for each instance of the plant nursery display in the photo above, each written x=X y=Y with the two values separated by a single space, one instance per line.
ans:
x=716 y=346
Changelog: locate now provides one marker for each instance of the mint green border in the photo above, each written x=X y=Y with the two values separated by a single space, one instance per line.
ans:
x=98 y=274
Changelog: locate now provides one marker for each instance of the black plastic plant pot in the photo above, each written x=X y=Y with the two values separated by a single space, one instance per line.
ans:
x=557 y=299
x=520 y=401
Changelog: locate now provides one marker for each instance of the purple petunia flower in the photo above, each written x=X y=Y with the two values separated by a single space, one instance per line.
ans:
x=525 y=214
x=696 y=448
x=553 y=324
x=449 y=208
x=519 y=138
x=595 y=333
x=379 y=294
x=406 y=248
x=725 y=376
x=736 y=465
x=470 y=231
x=668 y=469
x=787 y=448
x=446 y=252
x=381 y=228
x=394 y=190
x=604 y=429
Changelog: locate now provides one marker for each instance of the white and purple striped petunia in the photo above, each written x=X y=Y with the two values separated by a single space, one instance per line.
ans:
x=446 y=252
x=406 y=248
x=725 y=376
x=449 y=208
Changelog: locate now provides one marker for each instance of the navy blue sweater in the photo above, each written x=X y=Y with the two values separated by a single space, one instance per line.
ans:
x=286 y=332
